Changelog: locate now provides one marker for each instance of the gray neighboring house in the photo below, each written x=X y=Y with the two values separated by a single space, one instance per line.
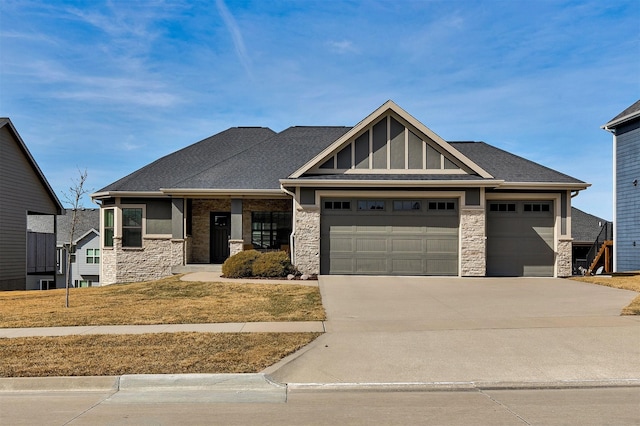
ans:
x=24 y=191
x=385 y=197
x=85 y=265
x=625 y=128
x=591 y=237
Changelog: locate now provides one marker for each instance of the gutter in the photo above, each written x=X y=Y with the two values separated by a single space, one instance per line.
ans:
x=391 y=183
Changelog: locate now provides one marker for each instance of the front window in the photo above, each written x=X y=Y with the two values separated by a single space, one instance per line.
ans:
x=270 y=230
x=93 y=256
x=132 y=227
x=108 y=228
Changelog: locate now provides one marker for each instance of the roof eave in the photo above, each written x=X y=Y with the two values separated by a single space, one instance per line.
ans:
x=610 y=126
x=237 y=193
x=112 y=194
x=390 y=183
x=574 y=186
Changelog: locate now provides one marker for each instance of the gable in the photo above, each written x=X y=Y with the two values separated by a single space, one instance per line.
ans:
x=390 y=145
x=390 y=141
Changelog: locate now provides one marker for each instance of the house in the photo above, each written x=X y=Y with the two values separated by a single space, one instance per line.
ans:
x=85 y=261
x=625 y=128
x=385 y=197
x=590 y=237
x=23 y=191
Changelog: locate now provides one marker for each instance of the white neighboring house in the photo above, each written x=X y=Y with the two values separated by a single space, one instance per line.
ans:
x=85 y=262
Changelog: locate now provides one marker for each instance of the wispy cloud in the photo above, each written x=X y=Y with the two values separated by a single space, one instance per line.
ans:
x=342 y=47
x=236 y=35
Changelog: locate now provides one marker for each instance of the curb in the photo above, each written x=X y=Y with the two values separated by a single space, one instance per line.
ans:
x=462 y=386
x=52 y=384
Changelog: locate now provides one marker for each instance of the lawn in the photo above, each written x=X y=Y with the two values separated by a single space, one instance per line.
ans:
x=622 y=282
x=163 y=353
x=165 y=301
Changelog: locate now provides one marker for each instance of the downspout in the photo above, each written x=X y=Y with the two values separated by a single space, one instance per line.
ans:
x=293 y=227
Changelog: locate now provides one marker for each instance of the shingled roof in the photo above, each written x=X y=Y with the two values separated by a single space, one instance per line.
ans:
x=629 y=113
x=243 y=158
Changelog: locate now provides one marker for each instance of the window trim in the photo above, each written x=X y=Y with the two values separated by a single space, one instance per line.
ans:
x=93 y=257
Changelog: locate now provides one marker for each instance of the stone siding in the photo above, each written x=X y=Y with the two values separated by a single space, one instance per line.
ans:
x=307 y=241
x=563 y=258
x=151 y=262
x=473 y=260
x=108 y=264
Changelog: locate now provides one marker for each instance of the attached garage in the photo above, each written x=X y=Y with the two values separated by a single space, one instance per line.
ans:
x=520 y=238
x=389 y=237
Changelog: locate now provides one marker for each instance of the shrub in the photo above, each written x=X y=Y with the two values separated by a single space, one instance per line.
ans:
x=240 y=264
x=273 y=264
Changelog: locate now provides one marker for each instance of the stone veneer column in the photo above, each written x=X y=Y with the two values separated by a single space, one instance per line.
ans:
x=307 y=241
x=235 y=247
x=473 y=262
x=108 y=257
x=563 y=257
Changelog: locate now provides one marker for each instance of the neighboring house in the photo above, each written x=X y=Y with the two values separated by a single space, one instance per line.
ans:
x=590 y=236
x=386 y=197
x=85 y=262
x=625 y=128
x=23 y=191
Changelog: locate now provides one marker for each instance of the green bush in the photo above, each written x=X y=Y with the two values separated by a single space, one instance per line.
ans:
x=273 y=264
x=240 y=265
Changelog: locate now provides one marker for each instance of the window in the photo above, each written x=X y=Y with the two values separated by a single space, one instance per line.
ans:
x=83 y=283
x=93 y=256
x=502 y=207
x=270 y=230
x=47 y=284
x=132 y=227
x=402 y=205
x=537 y=207
x=370 y=205
x=337 y=205
x=108 y=228
x=442 y=205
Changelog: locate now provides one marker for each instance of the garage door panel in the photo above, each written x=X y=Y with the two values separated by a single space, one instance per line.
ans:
x=367 y=245
x=383 y=242
x=520 y=243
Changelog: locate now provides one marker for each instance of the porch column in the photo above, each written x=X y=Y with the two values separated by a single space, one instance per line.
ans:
x=235 y=241
x=178 y=244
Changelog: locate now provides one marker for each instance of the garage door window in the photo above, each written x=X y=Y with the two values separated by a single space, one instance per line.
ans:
x=442 y=205
x=337 y=205
x=537 y=207
x=370 y=205
x=406 y=205
x=503 y=207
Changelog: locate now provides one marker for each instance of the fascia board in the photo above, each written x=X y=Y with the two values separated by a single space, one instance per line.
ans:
x=110 y=194
x=545 y=185
x=390 y=105
x=614 y=123
x=239 y=193
x=494 y=183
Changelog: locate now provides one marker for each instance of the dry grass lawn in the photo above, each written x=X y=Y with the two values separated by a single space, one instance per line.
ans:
x=165 y=301
x=177 y=353
x=625 y=283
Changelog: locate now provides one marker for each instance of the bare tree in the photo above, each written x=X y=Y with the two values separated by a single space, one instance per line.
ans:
x=73 y=197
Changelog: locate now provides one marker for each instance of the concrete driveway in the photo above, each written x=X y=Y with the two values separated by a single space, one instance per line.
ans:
x=512 y=332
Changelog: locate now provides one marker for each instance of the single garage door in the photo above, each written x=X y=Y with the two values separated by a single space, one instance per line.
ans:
x=389 y=237
x=520 y=238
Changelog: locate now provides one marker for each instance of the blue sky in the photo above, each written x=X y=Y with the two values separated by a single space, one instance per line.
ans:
x=111 y=86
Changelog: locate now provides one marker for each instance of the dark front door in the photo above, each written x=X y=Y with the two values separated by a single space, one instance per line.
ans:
x=220 y=231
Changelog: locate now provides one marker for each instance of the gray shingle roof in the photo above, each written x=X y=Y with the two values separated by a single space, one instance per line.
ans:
x=509 y=167
x=585 y=227
x=257 y=158
x=635 y=108
x=87 y=219
x=195 y=159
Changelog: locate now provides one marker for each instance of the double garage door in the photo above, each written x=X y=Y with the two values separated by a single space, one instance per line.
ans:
x=520 y=238
x=389 y=237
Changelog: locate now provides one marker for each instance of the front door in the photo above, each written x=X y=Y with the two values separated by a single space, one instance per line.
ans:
x=220 y=232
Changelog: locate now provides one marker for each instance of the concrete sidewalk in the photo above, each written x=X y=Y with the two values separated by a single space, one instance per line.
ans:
x=235 y=327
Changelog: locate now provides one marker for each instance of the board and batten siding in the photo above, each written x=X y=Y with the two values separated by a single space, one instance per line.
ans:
x=627 y=220
x=21 y=191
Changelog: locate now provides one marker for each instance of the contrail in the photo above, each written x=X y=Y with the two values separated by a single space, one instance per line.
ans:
x=238 y=42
